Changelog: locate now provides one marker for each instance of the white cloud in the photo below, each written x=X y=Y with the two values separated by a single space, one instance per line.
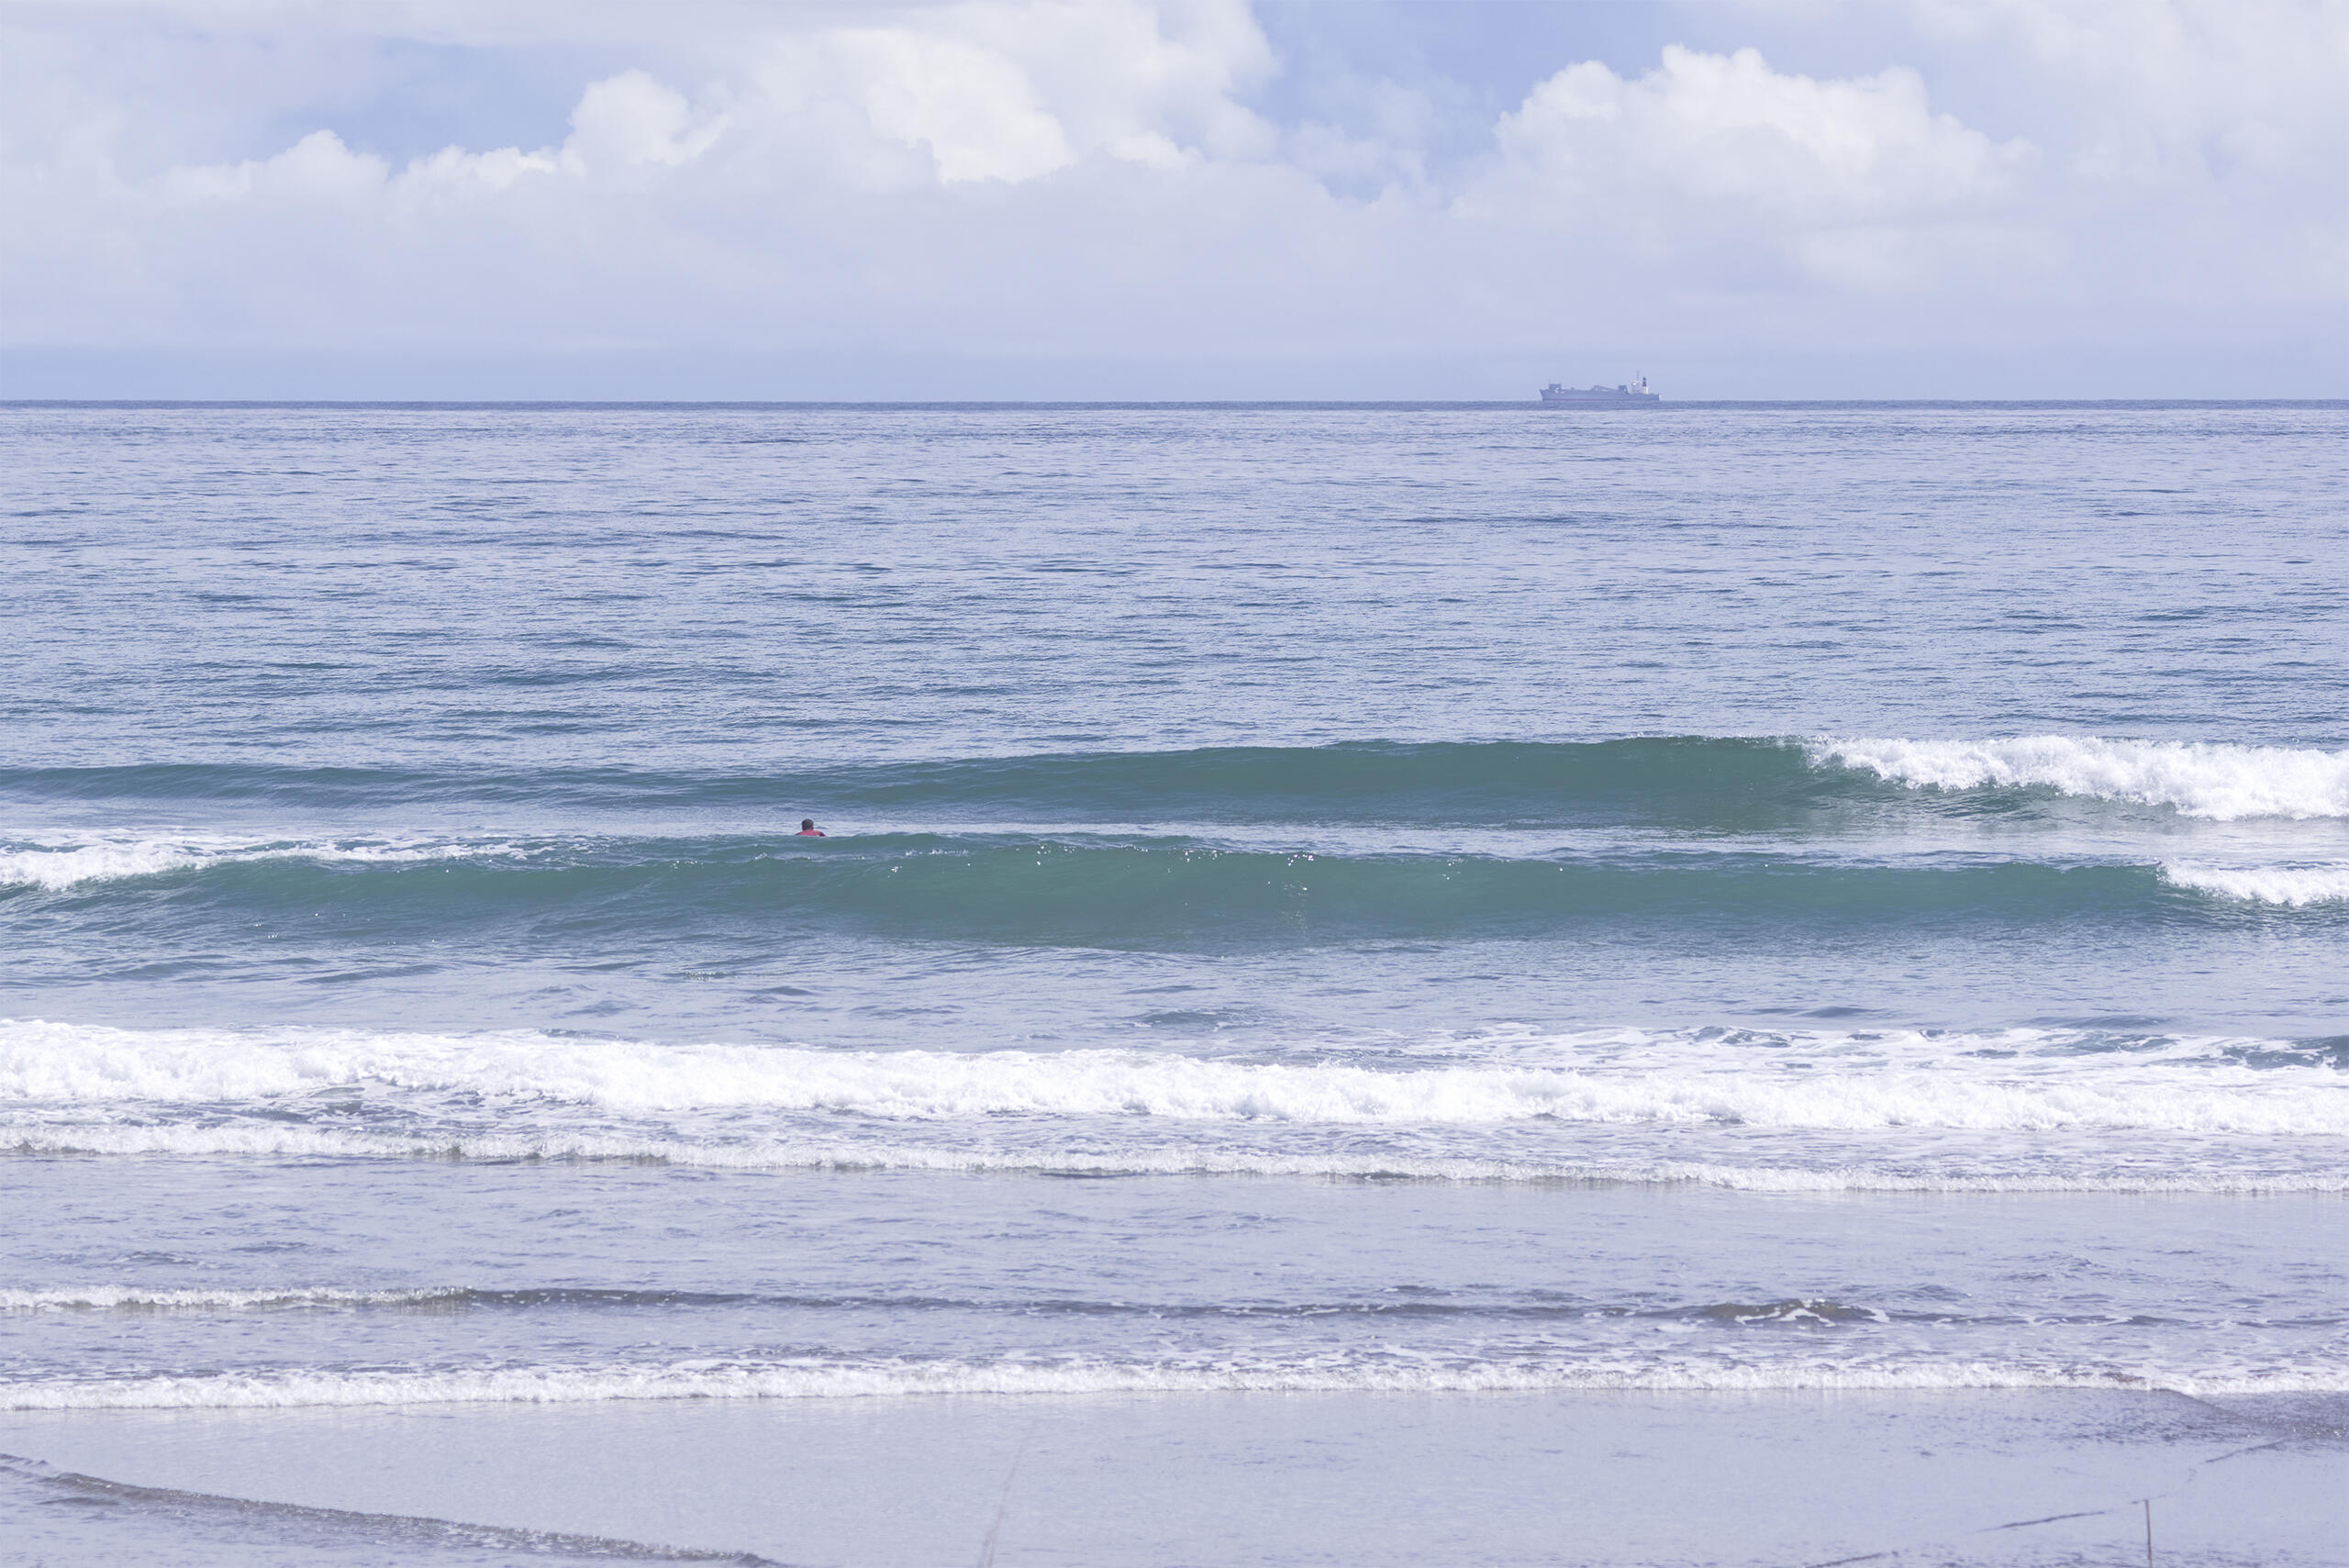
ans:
x=2203 y=165
x=631 y=120
x=973 y=110
x=2157 y=88
x=1014 y=92
x=317 y=167
x=1048 y=176
x=1721 y=161
x=1728 y=128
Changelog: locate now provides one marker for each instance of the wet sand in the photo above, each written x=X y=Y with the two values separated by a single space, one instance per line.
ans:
x=1954 y=1478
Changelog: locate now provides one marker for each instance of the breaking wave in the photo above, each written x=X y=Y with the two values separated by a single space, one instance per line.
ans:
x=2291 y=885
x=2223 y=782
x=2027 y=1081
x=81 y=859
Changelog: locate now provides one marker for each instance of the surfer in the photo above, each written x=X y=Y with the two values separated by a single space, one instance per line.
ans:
x=807 y=829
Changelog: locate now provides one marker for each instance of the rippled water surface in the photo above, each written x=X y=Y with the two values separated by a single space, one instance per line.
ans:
x=1817 y=898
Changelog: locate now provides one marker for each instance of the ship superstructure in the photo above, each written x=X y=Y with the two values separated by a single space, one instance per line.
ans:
x=1633 y=391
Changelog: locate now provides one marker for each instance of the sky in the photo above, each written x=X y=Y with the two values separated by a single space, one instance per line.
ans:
x=1173 y=199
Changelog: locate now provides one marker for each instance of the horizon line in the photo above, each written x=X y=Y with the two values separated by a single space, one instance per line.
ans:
x=1149 y=403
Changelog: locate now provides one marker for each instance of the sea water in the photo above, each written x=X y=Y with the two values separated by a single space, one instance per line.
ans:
x=1409 y=909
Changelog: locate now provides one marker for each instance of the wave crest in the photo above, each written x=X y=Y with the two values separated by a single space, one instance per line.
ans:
x=2293 y=886
x=2222 y=781
x=2026 y=1081
x=83 y=859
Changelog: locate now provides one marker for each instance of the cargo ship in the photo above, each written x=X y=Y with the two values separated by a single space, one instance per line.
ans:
x=1632 y=391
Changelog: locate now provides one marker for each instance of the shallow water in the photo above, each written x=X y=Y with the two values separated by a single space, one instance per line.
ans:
x=1351 y=901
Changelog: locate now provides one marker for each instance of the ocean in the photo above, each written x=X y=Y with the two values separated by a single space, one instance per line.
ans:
x=1716 y=984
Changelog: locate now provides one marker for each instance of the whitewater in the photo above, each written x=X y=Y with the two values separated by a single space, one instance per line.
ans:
x=2015 y=1081
x=1367 y=953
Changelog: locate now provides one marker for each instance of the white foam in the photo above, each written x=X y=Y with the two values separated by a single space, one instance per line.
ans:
x=62 y=866
x=93 y=1298
x=1847 y=1082
x=271 y=1139
x=849 y=1380
x=2295 y=885
x=2199 y=779
x=70 y=860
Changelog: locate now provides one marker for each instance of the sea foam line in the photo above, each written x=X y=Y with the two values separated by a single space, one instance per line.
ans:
x=2292 y=886
x=58 y=867
x=836 y=1380
x=1839 y=1084
x=2216 y=779
x=106 y=1297
x=131 y=1299
x=277 y=1140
